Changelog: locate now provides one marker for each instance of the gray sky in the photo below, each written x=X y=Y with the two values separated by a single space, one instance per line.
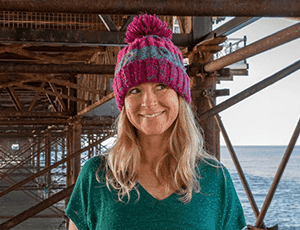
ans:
x=270 y=116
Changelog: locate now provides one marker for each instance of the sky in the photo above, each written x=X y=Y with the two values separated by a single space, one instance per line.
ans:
x=270 y=116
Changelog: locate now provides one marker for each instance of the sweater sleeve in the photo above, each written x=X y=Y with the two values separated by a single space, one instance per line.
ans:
x=233 y=217
x=78 y=205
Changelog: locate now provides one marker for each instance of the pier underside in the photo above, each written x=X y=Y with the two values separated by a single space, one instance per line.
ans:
x=57 y=105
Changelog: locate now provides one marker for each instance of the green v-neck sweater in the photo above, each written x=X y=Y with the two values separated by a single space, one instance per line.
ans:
x=92 y=206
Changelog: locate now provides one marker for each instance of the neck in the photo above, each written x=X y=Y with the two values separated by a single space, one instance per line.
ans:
x=153 y=149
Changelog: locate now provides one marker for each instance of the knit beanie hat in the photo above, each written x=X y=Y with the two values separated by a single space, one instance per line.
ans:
x=149 y=57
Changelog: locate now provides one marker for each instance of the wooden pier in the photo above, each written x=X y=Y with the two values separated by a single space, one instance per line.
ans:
x=57 y=106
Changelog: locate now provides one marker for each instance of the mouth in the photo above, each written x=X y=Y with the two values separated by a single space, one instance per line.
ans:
x=153 y=115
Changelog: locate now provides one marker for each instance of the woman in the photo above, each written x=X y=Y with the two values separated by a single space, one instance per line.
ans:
x=158 y=151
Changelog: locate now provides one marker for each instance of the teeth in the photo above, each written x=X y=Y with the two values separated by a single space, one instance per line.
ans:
x=153 y=115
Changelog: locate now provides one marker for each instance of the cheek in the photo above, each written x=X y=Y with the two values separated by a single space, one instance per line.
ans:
x=173 y=101
x=130 y=107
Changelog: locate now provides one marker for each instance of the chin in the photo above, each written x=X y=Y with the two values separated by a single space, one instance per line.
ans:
x=152 y=132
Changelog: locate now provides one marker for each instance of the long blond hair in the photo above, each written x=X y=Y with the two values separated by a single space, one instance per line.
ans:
x=185 y=151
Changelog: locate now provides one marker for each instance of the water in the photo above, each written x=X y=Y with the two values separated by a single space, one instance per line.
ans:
x=260 y=164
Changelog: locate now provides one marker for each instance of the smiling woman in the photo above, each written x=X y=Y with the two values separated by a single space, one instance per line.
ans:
x=159 y=150
x=152 y=110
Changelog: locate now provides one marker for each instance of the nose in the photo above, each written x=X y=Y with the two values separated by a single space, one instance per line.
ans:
x=149 y=98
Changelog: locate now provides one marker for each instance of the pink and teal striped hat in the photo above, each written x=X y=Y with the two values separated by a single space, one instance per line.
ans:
x=149 y=57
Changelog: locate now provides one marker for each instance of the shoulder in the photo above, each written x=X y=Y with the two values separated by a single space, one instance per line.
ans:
x=213 y=171
x=94 y=161
x=92 y=165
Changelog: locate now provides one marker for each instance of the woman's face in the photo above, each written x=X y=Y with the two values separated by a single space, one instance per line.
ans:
x=151 y=98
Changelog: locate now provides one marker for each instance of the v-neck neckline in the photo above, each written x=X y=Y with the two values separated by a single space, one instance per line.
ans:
x=153 y=196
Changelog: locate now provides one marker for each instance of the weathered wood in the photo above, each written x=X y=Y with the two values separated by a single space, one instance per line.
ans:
x=18 y=49
x=19 y=67
x=202 y=26
x=76 y=143
x=15 y=99
x=88 y=38
x=35 y=97
x=6 y=114
x=95 y=105
x=287 y=8
x=35 y=122
x=62 y=104
x=49 y=92
x=54 y=107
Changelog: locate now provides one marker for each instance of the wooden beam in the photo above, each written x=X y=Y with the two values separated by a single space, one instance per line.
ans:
x=12 y=114
x=35 y=97
x=88 y=38
x=97 y=104
x=109 y=24
x=265 y=8
x=88 y=51
x=181 y=24
x=79 y=68
x=62 y=104
x=52 y=103
x=14 y=97
x=49 y=92
x=128 y=21
x=35 y=122
x=18 y=49
x=50 y=78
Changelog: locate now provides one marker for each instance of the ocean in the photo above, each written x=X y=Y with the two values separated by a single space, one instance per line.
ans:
x=260 y=164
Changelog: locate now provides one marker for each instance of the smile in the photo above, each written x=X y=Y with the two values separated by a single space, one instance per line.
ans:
x=153 y=115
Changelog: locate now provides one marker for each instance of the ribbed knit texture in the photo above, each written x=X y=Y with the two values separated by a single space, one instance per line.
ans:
x=150 y=57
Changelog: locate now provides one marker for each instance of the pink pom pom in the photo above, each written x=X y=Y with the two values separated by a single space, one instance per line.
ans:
x=147 y=25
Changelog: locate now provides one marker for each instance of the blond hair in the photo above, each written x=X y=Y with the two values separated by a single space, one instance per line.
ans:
x=185 y=151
